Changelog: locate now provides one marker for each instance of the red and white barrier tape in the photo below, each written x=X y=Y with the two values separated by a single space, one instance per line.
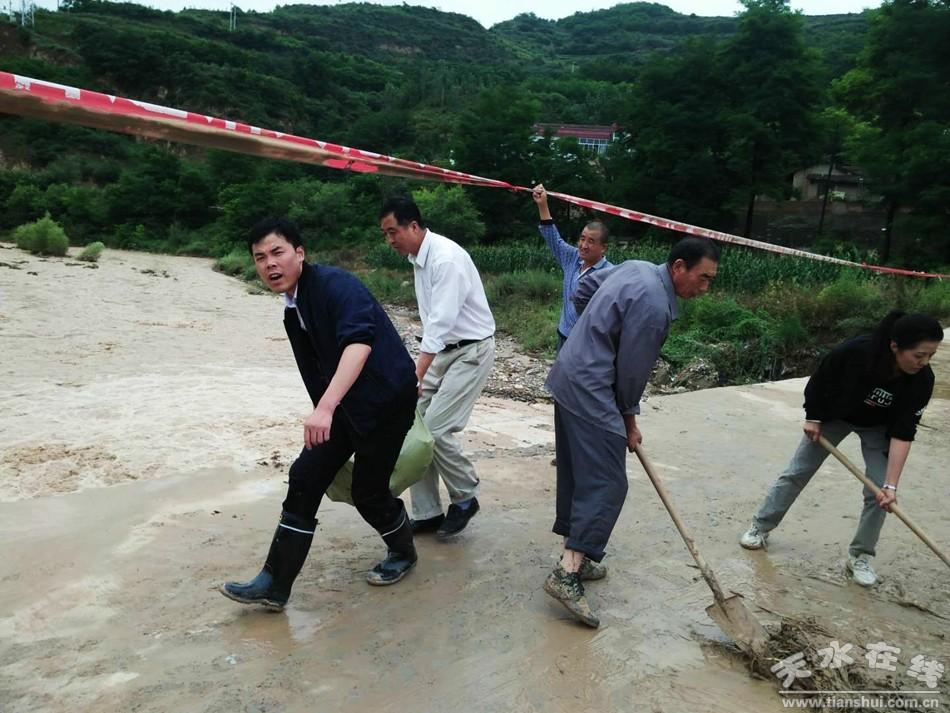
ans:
x=56 y=102
x=730 y=238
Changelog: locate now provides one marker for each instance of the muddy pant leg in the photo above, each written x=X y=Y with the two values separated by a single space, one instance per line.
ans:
x=376 y=455
x=451 y=386
x=807 y=459
x=565 y=475
x=598 y=465
x=874 y=447
x=314 y=470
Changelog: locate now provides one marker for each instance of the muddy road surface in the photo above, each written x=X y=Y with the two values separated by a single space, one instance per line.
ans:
x=150 y=410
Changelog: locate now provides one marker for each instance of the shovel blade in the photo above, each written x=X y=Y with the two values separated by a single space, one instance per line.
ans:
x=738 y=623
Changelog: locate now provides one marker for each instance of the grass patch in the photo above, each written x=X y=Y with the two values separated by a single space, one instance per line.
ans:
x=527 y=306
x=390 y=286
x=237 y=263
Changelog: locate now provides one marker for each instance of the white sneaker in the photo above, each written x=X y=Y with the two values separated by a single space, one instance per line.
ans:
x=754 y=538
x=861 y=570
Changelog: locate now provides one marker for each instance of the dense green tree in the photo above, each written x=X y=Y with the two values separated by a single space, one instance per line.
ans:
x=25 y=203
x=196 y=195
x=901 y=91
x=562 y=165
x=421 y=84
x=433 y=131
x=836 y=126
x=449 y=211
x=673 y=157
x=147 y=194
x=494 y=140
x=773 y=97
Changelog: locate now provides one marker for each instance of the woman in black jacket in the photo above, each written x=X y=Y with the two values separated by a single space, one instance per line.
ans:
x=877 y=386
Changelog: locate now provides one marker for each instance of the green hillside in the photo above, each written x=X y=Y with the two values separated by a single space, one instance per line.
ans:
x=714 y=112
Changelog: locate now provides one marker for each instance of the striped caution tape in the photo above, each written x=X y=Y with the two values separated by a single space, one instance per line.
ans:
x=56 y=102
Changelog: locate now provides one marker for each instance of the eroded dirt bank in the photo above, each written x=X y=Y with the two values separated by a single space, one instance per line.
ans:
x=175 y=387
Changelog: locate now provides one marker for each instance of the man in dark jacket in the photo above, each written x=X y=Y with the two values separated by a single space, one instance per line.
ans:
x=362 y=383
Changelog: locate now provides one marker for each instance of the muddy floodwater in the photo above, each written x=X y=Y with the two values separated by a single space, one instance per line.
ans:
x=149 y=409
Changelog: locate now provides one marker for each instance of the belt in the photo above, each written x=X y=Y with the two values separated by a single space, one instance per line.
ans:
x=460 y=343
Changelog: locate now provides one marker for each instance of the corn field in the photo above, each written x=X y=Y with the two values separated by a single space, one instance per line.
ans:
x=741 y=270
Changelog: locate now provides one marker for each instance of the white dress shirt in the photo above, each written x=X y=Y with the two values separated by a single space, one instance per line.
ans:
x=290 y=302
x=452 y=302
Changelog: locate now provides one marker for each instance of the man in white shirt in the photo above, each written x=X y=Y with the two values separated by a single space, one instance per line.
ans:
x=456 y=357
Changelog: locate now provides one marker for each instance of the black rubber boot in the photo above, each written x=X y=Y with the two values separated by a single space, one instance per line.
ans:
x=401 y=555
x=288 y=550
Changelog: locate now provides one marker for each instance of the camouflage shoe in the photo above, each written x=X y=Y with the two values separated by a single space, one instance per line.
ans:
x=591 y=570
x=566 y=587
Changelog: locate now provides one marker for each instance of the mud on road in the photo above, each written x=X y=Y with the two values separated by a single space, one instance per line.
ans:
x=150 y=408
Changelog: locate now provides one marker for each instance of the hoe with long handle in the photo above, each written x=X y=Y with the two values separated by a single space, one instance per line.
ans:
x=874 y=489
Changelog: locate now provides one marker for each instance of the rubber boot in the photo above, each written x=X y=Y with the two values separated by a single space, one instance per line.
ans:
x=288 y=550
x=401 y=555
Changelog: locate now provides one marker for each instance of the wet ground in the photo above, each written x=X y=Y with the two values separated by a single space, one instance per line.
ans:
x=115 y=534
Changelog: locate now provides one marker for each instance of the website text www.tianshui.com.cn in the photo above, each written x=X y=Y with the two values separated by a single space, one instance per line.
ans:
x=874 y=701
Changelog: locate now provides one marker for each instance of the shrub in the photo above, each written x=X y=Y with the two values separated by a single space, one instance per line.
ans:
x=237 y=263
x=932 y=298
x=42 y=237
x=742 y=344
x=92 y=252
x=24 y=237
x=850 y=298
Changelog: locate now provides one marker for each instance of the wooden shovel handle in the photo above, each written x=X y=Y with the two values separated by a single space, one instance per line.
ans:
x=690 y=543
x=874 y=489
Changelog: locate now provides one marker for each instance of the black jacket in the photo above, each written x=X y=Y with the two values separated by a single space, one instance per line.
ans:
x=844 y=388
x=338 y=311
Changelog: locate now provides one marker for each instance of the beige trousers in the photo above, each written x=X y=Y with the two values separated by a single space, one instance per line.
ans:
x=449 y=391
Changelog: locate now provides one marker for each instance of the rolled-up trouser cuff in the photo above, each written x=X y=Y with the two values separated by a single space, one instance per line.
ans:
x=592 y=553
x=561 y=528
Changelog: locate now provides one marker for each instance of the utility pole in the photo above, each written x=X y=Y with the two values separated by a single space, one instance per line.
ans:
x=824 y=198
x=232 y=25
x=27 y=13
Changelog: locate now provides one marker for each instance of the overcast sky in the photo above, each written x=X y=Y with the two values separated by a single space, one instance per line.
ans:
x=488 y=12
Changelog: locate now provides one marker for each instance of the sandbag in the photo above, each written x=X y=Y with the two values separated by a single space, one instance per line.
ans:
x=414 y=457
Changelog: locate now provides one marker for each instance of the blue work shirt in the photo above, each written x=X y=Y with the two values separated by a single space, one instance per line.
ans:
x=626 y=312
x=568 y=258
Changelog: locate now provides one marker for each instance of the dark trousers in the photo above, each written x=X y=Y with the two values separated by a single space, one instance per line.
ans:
x=591 y=482
x=375 y=457
x=560 y=342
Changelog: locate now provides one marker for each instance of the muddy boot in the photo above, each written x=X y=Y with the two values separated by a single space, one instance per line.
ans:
x=566 y=587
x=288 y=550
x=591 y=570
x=401 y=555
